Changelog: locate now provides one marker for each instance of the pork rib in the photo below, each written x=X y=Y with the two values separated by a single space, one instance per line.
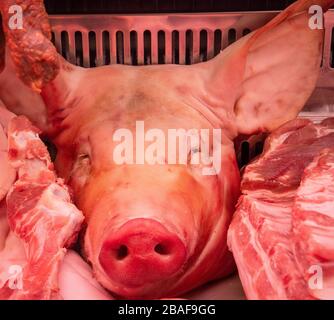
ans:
x=260 y=235
x=11 y=249
x=39 y=212
x=313 y=225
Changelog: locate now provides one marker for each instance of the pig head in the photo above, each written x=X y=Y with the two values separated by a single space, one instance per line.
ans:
x=149 y=226
x=160 y=229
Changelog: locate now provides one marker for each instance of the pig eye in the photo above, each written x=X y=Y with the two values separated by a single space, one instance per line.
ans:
x=193 y=153
x=195 y=150
x=83 y=160
x=80 y=171
x=83 y=157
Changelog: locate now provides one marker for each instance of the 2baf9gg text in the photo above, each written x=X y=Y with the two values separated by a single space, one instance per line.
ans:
x=188 y=309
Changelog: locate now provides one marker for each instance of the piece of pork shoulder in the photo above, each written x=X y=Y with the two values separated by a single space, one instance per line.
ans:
x=12 y=257
x=39 y=212
x=313 y=225
x=75 y=279
x=261 y=235
x=8 y=174
x=182 y=217
x=11 y=249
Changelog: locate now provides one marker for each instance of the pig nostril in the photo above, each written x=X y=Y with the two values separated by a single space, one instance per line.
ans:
x=122 y=252
x=161 y=249
x=142 y=252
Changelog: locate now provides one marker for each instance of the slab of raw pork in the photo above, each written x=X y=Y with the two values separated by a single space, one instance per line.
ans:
x=41 y=217
x=261 y=236
x=313 y=225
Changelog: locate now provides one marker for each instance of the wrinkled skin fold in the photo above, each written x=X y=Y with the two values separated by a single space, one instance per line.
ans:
x=160 y=230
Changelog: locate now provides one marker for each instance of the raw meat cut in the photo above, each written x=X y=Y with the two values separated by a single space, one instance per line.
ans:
x=11 y=248
x=75 y=279
x=160 y=230
x=313 y=224
x=8 y=173
x=39 y=212
x=35 y=36
x=19 y=99
x=261 y=235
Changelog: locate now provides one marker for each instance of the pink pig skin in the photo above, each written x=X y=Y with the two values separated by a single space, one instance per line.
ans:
x=160 y=230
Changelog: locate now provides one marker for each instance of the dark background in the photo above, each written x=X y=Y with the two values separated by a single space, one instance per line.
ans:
x=155 y=6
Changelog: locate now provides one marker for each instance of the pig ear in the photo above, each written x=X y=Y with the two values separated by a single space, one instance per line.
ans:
x=35 y=58
x=265 y=78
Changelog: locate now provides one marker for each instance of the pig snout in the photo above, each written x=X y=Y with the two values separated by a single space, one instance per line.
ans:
x=142 y=251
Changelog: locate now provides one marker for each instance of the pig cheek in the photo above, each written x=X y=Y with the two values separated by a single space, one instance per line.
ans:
x=221 y=192
x=211 y=192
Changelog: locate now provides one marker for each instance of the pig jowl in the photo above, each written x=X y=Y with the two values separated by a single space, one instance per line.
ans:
x=160 y=230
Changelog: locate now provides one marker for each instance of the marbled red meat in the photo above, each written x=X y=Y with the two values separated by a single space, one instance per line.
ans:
x=261 y=235
x=313 y=225
x=36 y=60
x=40 y=214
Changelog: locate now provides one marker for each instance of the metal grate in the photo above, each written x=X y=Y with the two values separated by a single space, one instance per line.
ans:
x=248 y=147
x=95 y=40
